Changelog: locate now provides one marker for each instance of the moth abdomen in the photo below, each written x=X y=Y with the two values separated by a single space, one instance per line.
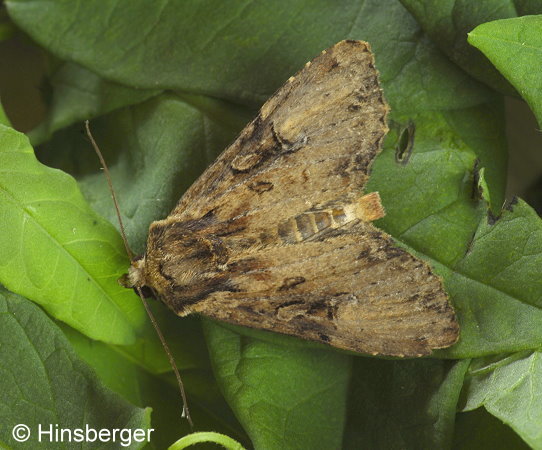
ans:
x=311 y=224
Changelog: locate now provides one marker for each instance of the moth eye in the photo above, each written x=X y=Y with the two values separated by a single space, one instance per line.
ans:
x=147 y=292
x=124 y=281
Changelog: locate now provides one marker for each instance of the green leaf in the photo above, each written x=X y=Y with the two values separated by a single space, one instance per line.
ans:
x=413 y=401
x=429 y=204
x=79 y=95
x=44 y=382
x=514 y=46
x=482 y=128
x=447 y=22
x=148 y=174
x=4 y=120
x=528 y=7
x=238 y=38
x=496 y=285
x=285 y=397
x=508 y=387
x=138 y=381
x=7 y=30
x=196 y=438
x=478 y=429
x=57 y=251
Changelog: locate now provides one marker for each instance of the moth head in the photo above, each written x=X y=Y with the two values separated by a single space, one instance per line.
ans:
x=135 y=276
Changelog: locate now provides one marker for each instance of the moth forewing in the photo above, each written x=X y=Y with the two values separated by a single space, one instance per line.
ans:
x=277 y=234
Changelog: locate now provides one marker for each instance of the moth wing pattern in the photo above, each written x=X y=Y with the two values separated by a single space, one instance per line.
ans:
x=362 y=293
x=318 y=136
x=276 y=233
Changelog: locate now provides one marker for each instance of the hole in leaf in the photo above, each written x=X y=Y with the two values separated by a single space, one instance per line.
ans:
x=405 y=143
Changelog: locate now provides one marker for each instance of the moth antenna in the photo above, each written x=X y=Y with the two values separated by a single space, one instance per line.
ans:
x=186 y=411
x=111 y=190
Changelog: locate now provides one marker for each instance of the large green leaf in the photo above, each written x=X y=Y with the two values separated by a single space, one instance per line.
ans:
x=478 y=429
x=284 y=397
x=431 y=209
x=137 y=381
x=413 y=401
x=78 y=95
x=447 y=22
x=528 y=7
x=169 y=45
x=509 y=388
x=57 y=251
x=45 y=383
x=514 y=46
x=496 y=287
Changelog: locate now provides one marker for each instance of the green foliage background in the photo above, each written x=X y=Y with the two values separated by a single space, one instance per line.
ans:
x=168 y=84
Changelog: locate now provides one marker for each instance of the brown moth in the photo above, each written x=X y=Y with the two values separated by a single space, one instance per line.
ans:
x=276 y=234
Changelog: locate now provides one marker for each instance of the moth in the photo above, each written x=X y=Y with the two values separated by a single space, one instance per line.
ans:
x=276 y=234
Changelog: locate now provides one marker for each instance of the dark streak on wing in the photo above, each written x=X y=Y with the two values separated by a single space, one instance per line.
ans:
x=216 y=284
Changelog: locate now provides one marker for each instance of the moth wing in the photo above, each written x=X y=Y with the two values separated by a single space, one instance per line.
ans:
x=356 y=291
x=311 y=143
x=276 y=234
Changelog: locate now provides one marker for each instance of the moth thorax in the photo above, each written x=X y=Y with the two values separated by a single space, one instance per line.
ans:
x=136 y=273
